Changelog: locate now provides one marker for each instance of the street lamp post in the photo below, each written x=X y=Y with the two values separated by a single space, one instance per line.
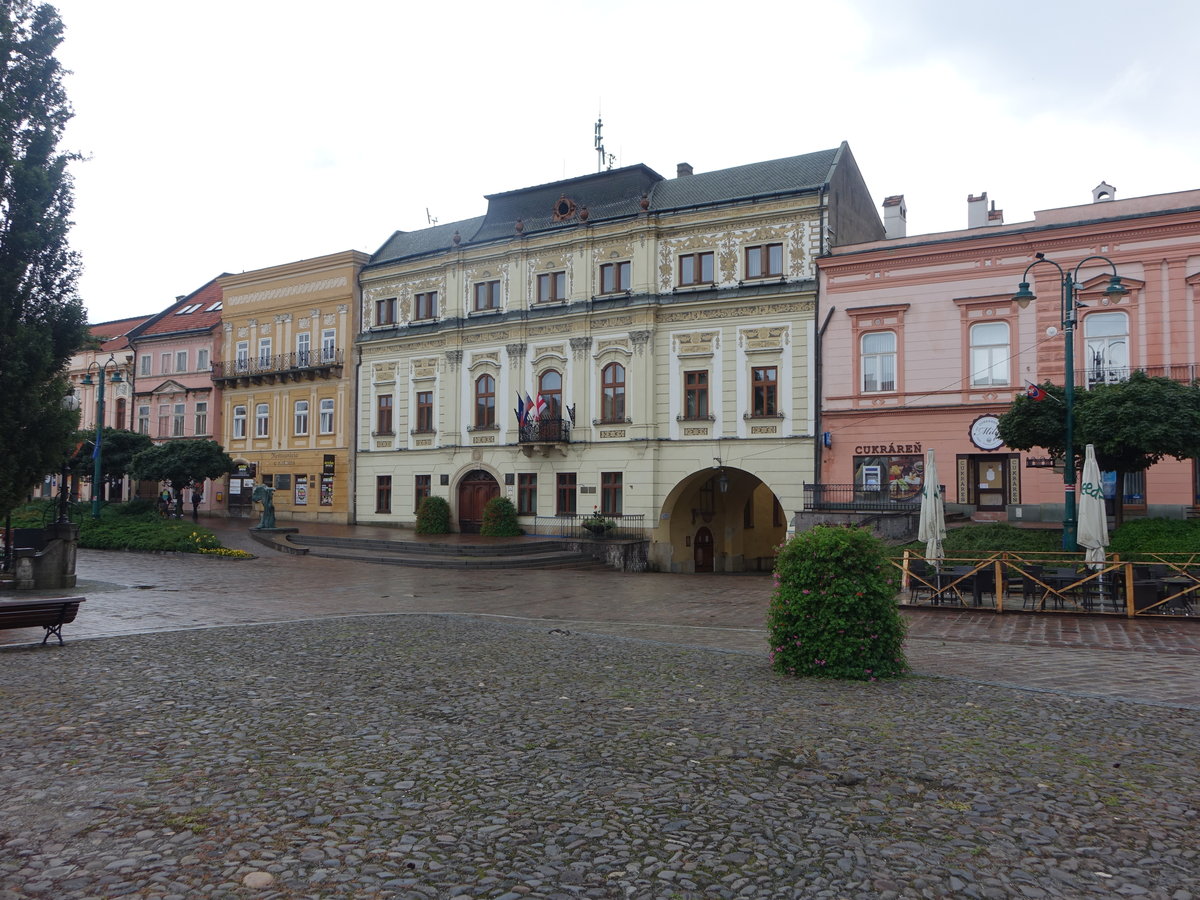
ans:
x=97 y=451
x=1069 y=302
x=70 y=402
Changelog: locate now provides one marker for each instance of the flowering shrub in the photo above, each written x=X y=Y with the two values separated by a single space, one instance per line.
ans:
x=206 y=542
x=833 y=613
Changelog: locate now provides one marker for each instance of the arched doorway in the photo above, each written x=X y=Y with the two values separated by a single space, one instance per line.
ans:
x=703 y=550
x=474 y=491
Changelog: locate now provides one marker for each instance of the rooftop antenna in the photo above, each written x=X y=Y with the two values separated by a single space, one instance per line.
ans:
x=603 y=160
x=432 y=220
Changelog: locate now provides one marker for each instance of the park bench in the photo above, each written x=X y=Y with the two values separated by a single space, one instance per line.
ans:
x=49 y=614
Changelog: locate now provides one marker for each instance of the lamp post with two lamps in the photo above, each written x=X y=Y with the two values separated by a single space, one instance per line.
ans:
x=1068 y=304
x=97 y=450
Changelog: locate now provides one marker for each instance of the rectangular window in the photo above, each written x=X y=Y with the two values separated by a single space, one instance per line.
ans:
x=614 y=277
x=202 y=417
x=262 y=422
x=144 y=417
x=264 y=353
x=239 y=422
x=303 y=349
x=487 y=295
x=328 y=348
x=385 y=311
x=765 y=385
x=611 y=493
x=424 y=423
x=551 y=286
x=564 y=494
x=144 y=363
x=383 y=414
x=327 y=416
x=526 y=494
x=178 y=411
x=383 y=493
x=242 y=356
x=695 y=395
x=878 y=361
x=425 y=306
x=181 y=360
x=164 y=364
x=164 y=420
x=202 y=359
x=422 y=488
x=696 y=268
x=989 y=354
x=300 y=416
x=764 y=261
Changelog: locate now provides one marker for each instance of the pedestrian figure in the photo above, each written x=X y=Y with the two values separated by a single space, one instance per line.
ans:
x=179 y=503
x=164 y=503
x=197 y=496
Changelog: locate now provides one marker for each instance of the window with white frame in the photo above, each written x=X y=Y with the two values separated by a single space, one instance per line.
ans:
x=144 y=363
x=178 y=411
x=239 y=421
x=878 y=361
x=1106 y=343
x=303 y=348
x=201 y=417
x=164 y=420
x=262 y=420
x=328 y=348
x=181 y=360
x=164 y=364
x=300 y=417
x=989 y=354
x=202 y=359
x=327 y=415
x=143 y=425
x=264 y=353
x=241 y=355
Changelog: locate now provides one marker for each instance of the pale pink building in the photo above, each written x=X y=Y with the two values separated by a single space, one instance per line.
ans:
x=923 y=347
x=174 y=395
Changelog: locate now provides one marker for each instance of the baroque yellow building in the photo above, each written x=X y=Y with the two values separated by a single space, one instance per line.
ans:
x=286 y=372
x=662 y=330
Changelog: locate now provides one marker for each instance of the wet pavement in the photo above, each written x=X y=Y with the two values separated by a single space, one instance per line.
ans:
x=1147 y=661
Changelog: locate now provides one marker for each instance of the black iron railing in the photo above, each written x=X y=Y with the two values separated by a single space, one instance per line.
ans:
x=311 y=361
x=631 y=527
x=546 y=430
x=895 y=497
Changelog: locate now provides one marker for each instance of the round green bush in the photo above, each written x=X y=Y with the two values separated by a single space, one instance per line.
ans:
x=433 y=516
x=500 y=518
x=833 y=613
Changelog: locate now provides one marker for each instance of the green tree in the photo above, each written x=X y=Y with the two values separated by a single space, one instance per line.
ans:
x=1132 y=424
x=41 y=317
x=119 y=446
x=180 y=463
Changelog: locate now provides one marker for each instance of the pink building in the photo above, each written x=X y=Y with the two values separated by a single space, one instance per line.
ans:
x=174 y=396
x=924 y=347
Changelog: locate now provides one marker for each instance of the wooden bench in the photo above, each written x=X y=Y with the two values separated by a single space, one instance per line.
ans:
x=49 y=614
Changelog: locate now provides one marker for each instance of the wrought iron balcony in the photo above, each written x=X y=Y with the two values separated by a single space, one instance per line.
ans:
x=546 y=430
x=308 y=364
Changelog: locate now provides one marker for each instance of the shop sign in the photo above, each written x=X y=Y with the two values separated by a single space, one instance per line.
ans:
x=985 y=433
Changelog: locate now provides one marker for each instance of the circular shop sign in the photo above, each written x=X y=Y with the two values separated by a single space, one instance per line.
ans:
x=985 y=433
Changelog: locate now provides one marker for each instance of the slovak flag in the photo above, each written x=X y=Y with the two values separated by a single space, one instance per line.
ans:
x=1033 y=392
x=520 y=408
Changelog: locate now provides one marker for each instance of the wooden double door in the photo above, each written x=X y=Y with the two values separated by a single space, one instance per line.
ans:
x=474 y=492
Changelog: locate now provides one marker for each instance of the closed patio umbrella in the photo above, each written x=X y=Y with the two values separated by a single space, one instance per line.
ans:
x=932 y=525
x=1093 y=519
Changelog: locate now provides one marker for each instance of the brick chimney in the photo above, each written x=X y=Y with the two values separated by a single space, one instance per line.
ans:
x=895 y=217
x=683 y=169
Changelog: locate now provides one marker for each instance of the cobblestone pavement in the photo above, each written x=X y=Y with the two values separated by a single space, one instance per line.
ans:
x=443 y=756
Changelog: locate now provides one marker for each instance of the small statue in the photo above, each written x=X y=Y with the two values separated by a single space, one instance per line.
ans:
x=266 y=496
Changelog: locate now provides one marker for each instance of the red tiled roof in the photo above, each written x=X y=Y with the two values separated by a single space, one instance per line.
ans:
x=199 y=310
x=113 y=335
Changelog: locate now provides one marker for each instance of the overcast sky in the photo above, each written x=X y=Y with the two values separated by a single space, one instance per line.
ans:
x=229 y=136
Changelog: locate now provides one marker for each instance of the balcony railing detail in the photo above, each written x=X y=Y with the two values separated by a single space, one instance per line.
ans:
x=303 y=364
x=896 y=497
x=631 y=527
x=546 y=431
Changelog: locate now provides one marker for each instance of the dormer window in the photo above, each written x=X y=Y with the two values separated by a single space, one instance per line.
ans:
x=564 y=208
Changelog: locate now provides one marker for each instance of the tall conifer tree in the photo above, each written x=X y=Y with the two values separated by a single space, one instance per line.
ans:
x=41 y=316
